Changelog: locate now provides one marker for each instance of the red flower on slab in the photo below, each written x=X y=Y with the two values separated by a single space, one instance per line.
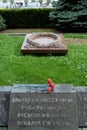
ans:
x=51 y=85
x=49 y=89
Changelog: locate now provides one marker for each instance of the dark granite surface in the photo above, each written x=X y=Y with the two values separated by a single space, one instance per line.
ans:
x=81 y=98
x=4 y=105
x=32 y=108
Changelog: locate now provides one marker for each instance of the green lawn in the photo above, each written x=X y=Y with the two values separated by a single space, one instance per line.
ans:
x=16 y=68
x=75 y=35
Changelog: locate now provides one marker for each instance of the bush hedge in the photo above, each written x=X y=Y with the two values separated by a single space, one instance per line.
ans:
x=66 y=17
x=27 y=18
x=2 y=23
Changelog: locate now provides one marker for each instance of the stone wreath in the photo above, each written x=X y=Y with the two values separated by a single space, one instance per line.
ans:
x=44 y=40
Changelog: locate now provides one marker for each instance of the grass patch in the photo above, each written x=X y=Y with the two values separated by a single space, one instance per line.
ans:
x=74 y=35
x=16 y=68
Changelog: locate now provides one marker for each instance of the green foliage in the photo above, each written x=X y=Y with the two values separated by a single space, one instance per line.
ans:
x=26 y=18
x=70 y=15
x=16 y=68
x=4 y=1
x=33 y=0
x=2 y=23
x=11 y=1
x=40 y=2
x=48 y=2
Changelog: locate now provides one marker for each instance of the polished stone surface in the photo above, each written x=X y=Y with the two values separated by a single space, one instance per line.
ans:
x=32 y=108
x=82 y=105
x=81 y=98
x=4 y=105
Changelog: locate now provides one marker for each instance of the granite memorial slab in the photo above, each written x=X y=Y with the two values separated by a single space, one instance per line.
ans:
x=82 y=106
x=32 y=108
x=81 y=96
x=4 y=105
x=3 y=128
x=44 y=44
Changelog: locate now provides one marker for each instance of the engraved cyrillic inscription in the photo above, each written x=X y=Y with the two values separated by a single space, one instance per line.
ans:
x=55 y=111
x=82 y=108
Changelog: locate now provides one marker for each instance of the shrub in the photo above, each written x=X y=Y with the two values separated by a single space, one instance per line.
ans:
x=70 y=15
x=26 y=18
x=2 y=23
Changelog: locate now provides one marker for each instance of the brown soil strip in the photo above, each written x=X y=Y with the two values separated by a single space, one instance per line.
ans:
x=76 y=41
